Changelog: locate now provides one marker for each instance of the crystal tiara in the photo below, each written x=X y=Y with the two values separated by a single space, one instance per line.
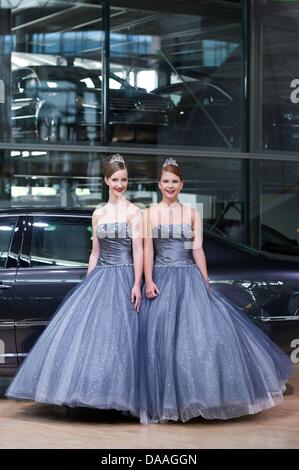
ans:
x=170 y=161
x=117 y=158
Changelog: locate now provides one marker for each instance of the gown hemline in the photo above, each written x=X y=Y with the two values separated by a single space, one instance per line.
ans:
x=91 y=344
x=180 y=385
x=77 y=404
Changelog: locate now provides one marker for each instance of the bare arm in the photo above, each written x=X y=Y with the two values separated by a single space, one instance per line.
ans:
x=95 y=252
x=148 y=247
x=151 y=290
x=137 y=246
x=197 y=250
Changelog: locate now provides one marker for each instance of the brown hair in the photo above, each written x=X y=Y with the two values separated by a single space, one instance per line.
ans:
x=176 y=170
x=109 y=168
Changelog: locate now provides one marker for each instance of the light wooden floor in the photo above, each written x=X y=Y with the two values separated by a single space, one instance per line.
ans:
x=31 y=425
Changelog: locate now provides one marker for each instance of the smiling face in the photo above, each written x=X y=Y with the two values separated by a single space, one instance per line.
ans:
x=118 y=182
x=170 y=185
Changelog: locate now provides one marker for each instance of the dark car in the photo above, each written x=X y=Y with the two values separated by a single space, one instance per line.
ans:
x=44 y=255
x=207 y=112
x=204 y=113
x=272 y=240
x=62 y=103
x=275 y=242
x=280 y=117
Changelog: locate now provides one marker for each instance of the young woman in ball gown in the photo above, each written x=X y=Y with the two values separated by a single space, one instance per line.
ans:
x=87 y=355
x=200 y=355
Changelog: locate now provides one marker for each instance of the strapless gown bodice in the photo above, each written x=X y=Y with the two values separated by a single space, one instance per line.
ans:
x=115 y=241
x=173 y=245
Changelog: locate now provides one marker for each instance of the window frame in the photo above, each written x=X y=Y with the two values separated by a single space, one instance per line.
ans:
x=12 y=239
x=27 y=245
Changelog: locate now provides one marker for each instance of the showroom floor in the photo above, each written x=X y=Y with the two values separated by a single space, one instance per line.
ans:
x=31 y=425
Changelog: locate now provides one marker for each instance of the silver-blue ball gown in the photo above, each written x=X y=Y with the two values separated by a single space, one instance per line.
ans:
x=200 y=355
x=87 y=356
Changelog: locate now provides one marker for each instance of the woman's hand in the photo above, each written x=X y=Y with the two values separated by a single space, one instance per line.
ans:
x=151 y=290
x=208 y=286
x=136 y=297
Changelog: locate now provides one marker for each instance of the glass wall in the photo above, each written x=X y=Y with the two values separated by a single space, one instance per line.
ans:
x=40 y=178
x=153 y=79
x=52 y=66
x=280 y=69
x=74 y=179
x=180 y=73
x=175 y=76
x=279 y=202
x=64 y=179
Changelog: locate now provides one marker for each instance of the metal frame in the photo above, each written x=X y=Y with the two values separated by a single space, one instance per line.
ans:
x=251 y=99
x=105 y=74
x=142 y=150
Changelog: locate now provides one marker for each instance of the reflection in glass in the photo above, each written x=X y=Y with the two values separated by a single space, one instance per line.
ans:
x=280 y=92
x=70 y=97
x=176 y=76
x=75 y=180
x=182 y=74
x=53 y=179
x=7 y=225
x=61 y=241
x=279 y=207
x=53 y=65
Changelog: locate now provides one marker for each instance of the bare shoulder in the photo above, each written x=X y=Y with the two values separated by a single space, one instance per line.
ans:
x=195 y=218
x=195 y=214
x=98 y=213
x=188 y=214
x=133 y=210
x=151 y=211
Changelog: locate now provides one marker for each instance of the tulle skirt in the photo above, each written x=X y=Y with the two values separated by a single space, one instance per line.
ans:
x=201 y=355
x=87 y=356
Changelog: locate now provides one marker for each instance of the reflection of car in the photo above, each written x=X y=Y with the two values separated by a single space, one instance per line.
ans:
x=44 y=254
x=272 y=240
x=210 y=228
x=280 y=117
x=275 y=242
x=53 y=103
x=205 y=113
x=231 y=228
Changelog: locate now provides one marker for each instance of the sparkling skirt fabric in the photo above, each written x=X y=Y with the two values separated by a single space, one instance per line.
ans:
x=87 y=356
x=189 y=352
x=201 y=356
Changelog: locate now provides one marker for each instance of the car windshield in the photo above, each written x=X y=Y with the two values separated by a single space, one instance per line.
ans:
x=236 y=245
x=56 y=76
x=272 y=236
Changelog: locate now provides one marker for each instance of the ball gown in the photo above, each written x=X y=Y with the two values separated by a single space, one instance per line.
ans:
x=200 y=354
x=88 y=354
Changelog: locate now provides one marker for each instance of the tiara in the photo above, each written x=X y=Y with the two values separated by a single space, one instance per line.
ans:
x=117 y=158
x=170 y=161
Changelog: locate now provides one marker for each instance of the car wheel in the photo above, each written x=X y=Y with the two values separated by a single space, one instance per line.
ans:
x=48 y=128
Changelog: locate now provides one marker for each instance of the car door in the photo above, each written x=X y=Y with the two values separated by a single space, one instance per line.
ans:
x=53 y=261
x=9 y=247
